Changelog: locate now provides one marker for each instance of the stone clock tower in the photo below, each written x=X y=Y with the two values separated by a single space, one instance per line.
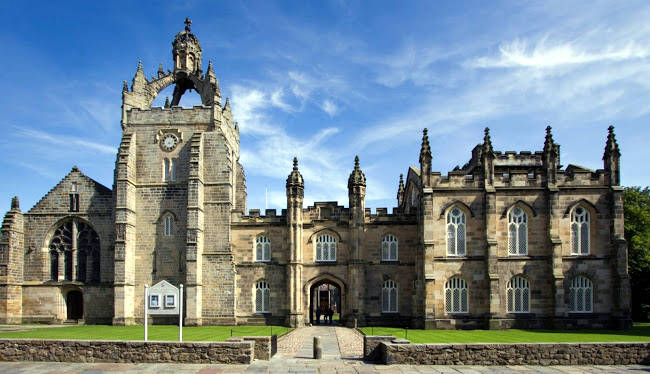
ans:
x=177 y=169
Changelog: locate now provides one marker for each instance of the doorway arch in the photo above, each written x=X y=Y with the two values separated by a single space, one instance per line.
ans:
x=325 y=297
x=74 y=302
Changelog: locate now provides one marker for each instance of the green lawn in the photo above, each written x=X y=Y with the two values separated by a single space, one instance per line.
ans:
x=157 y=332
x=639 y=333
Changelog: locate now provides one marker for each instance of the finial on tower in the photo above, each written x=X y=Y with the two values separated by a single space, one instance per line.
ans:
x=295 y=163
x=188 y=24
x=356 y=162
x=15 y=204
x=548 y=141
x=487 y=141
x=425 y=150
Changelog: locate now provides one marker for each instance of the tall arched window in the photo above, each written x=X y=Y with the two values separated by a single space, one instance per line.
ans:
x=262 y=248
x=166 y=176
x=83 y=252
x=389 y=248
x=389 y=297
x=456 y=298
x=456 y=232
x=579 y=231
x=517 y=232
x=581 y=295
x=326 y=248
x=518 y=291
x=262 y=297
x=169 y=225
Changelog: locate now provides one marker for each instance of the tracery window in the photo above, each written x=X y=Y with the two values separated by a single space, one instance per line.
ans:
x=581 y=295
x=169 y=225
x=262 y=248
x=456 y=232
x=389 y=246
x=456 y=295
x=580 y=231
x=262 y=297
x=517 y=232
x=326 y=248
x=74 y=259
x=518 y=295
x=389 y=297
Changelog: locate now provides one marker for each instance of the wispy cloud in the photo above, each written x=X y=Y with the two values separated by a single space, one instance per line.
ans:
x=329 y=107
x=66 y=141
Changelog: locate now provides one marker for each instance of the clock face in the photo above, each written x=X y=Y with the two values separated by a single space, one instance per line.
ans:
x=169 y=142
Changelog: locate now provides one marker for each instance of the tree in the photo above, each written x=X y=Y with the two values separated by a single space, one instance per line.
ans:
x=637 y=233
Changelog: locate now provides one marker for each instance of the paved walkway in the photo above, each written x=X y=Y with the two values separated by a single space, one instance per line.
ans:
x=342 y=351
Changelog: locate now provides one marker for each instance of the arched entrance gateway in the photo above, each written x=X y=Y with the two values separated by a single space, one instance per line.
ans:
x=325 y=293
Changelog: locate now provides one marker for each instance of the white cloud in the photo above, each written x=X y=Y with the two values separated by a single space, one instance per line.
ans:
x=329 y=107
x=67 y=141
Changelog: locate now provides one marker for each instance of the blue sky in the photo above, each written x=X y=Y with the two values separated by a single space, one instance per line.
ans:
x=328 y=80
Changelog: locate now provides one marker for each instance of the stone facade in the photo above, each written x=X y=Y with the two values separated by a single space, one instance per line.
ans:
x=177 y=212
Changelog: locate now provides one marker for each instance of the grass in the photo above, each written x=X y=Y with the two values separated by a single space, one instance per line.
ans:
x=157 y=332
x=639 y=333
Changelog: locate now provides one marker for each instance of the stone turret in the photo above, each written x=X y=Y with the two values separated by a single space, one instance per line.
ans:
x=400 y=191
x=187 y=51
x=612 y=159
x=11 y=265
x=295 y=193
x=551 y=158
x=357 y=187
x=357 y=201
x=487 y=158
x=425 y=160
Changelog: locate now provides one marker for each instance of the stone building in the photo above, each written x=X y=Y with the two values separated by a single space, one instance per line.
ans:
x=509 y=239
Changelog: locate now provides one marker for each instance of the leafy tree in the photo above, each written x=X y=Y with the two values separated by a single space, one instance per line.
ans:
x=637 y=233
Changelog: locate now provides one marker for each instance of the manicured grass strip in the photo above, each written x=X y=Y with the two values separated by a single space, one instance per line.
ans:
x=639 y=333
x=157 y=332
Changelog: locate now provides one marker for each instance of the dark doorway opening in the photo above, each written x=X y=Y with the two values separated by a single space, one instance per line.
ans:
x=74 y=301
x=325 y=301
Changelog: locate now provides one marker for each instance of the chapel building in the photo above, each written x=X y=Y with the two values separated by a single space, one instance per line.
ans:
x=508 y=240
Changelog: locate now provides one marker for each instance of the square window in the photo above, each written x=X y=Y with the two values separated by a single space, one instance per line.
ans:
x=170 y=301
x=154 y=301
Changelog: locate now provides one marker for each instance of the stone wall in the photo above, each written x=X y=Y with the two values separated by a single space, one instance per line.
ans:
x=265 y=346
x=241 y=352
x=371 y=349
x=516 y=354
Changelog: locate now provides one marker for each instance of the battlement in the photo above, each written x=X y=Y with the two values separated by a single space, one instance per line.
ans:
x=176 y=115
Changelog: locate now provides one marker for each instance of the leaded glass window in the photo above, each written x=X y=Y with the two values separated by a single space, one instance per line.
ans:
x=77 y=259
x=326 y=248
x=262 y=248
x=581 y=295
x=262 y=297
x=456 y=296
x=456 y=232
x=580 y=231
x=517 y=232
x=518 y=295
x=389 y=248
x=389 y=299
x=169 y=225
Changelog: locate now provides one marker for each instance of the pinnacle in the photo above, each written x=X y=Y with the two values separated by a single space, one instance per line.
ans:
x=15 y=203
x=356 y=162
x=295 y=163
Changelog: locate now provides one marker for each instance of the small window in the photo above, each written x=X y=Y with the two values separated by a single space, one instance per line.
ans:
x=166 y=175
x=581 y=295
x=389 y=297
x=154 y=301
x=262 y=248
x=262 y=297
x=172 y=170
x=74 y=202
x=456 y=298
x=74 y=188
x=456 y=232
x=170 y=301
x=518 y=294
x=579 y=231
x=326 y=248
x=169 y=225
x=389 y=248
x=517 y=232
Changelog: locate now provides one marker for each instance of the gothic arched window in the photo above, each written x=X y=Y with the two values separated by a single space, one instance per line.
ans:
x=262 y=248
x=581 y=295
x=326 y=248
x=517 y=232
x=518 y=294
x=169 y=225
x=262 y=297
x=389 y=297
x=389 y=247
x=75 y=259
x=456 y=232
x=579 y=231
x=456 y=297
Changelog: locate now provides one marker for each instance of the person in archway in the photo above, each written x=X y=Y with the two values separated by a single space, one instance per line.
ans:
x=318 y=311
x=330 y=313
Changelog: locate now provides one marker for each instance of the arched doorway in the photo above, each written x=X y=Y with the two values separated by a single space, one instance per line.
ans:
x=74 y=302
x=324 y=300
